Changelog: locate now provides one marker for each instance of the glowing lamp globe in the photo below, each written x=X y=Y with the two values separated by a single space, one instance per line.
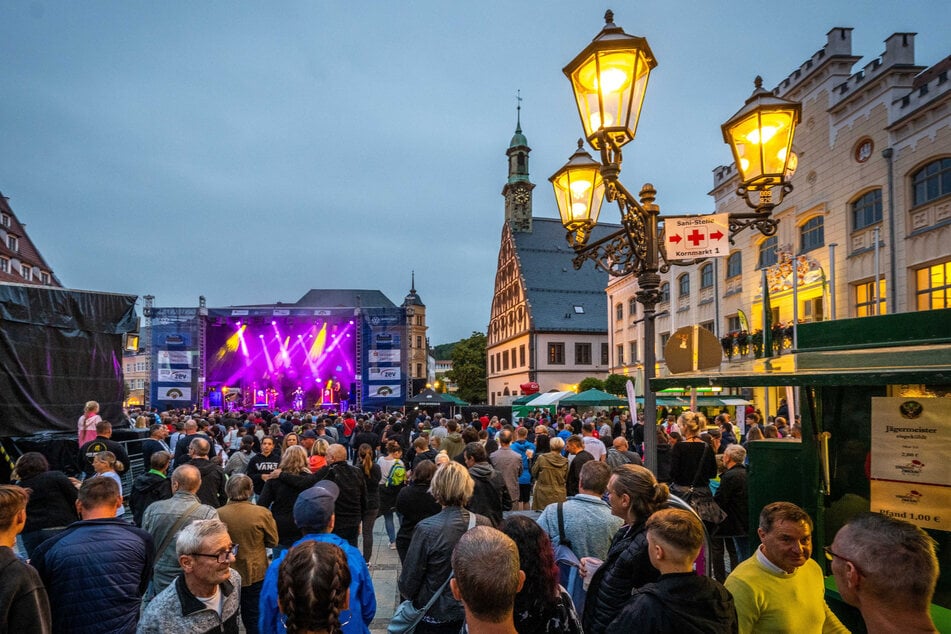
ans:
x=761 y=137
x=579 y=192
x=609 y=79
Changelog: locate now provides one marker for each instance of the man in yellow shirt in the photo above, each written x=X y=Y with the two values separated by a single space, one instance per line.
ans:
x=779 y=588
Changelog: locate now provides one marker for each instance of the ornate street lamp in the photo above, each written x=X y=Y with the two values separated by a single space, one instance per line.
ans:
x=609 y=81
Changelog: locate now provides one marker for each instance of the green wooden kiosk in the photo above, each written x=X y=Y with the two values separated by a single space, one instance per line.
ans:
x=839 y=367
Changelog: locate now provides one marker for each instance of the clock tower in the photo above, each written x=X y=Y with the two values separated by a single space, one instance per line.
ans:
x=518 y=188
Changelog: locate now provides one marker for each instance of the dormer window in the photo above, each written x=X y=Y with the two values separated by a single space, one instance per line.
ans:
x=13 y=243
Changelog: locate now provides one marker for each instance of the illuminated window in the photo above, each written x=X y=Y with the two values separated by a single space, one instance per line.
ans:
x=933 y=286
x=734 y=265
x=706 y=276
x=932 y=181
x=865 y=299
x=867 y=210
x=768 y=255
x=556 y=353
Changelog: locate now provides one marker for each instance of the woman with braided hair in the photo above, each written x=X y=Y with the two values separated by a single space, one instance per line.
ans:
x=313 y=587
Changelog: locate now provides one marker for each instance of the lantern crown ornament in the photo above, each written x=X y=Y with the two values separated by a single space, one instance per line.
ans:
x=609 y=80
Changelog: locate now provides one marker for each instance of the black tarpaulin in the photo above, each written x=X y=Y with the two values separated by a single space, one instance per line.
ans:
x=58 y=349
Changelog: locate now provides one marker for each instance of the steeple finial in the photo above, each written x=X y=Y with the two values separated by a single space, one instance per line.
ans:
x=518 y=112
x=412 y=286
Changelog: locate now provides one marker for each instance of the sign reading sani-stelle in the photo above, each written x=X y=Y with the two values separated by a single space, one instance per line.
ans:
x=697 y=236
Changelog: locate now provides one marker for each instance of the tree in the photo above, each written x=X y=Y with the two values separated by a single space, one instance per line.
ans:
x=468 y=368
x=590 y=383
x=617 y=384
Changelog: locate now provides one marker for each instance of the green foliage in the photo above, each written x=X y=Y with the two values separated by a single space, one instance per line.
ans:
x=443 y=351
x=468 y=368
x=616 y=384
x=590 y=383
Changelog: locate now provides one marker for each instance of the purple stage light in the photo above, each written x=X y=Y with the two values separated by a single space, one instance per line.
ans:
x=273 y=323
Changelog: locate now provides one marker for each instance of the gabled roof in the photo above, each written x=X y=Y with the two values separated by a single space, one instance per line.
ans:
x=344 y=298
x=27 y=252
x=553 y=287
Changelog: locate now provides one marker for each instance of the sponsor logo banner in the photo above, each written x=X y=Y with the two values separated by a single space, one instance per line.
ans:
x=168 y=375
x=384 y=374
x=174 y=394
x=384 y=356
x=174 y=357
x=383 y=391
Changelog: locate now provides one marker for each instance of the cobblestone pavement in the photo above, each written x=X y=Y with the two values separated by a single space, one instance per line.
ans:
x=385 y=570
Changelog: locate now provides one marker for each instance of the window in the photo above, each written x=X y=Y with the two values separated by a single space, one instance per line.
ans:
x=865 y=298
x=706 y=276
x=620 y=354
x=768 y=254
x=664 y=293
x=14 y=243
x=932 y=181
x=419 y=341
x=734 y=265
x=521 y=356
x=632 y=307
x=5 y=220
x=733 y=323
x=512 y=355
x=579 y=310
x=683 y=285
x=4 y=265
x=664 y=338
x=708 y=325
x=604 y=354
x=419 y=370
x=632 y=348
x=556 y=353
x=505 y=359
x=812 y=308
x=618 y=311
x=25 y=271
x=492 y=363
x=45 y=277
x=812 y=234
x=867 y=210
x=933 y=286
x=583 y=354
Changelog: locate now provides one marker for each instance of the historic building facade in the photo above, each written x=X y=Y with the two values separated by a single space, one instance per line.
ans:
x=547 y=319
x=417 y=343
x=20 y=260
x=867 y=229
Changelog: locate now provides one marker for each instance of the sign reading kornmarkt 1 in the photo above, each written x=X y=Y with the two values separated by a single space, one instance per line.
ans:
x=697 y=236
x=911 y=460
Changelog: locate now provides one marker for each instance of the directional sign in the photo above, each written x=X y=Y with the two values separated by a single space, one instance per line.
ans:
x=697 y=236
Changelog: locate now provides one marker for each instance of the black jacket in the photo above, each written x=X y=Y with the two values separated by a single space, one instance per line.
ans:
x=52 y=502
x=429 y=562
x=626 y=568
x=682 y=602
x=490 y=496
x=212 y=489
x=732 y=497
x=351 y=504
x=94 y=446
x=415 y=504
x=279 y=496
x=147 y=488
x=24 y=606
x=260 y=465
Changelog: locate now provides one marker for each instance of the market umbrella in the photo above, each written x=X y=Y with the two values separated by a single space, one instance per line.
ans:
x=431 y=396
x=592 y=398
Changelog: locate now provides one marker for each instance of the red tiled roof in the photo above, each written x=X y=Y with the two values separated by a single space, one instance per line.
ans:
x=27 y=252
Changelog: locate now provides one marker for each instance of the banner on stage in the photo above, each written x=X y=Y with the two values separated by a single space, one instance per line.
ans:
x=384 y=356
x=169 y=375
x=174 y=357
x=384 y=391
x=384 y=374
x=174 y=394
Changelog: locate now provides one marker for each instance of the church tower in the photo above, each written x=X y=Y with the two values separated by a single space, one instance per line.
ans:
x=518 y=188
x=417 y=344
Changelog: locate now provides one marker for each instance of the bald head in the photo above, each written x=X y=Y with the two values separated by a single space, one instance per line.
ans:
x=620 y=443
x=187 y=478
x=199 y=448
x=337 y=453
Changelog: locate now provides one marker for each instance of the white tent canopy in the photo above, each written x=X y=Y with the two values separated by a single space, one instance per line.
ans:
x=548 y=398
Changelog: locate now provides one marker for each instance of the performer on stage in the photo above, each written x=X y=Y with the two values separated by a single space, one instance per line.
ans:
x=298 y=398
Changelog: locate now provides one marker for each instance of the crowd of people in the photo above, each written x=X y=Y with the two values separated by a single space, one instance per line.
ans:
x=257 y=517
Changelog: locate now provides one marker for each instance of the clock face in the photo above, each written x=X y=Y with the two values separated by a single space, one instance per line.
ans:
x=522 y=197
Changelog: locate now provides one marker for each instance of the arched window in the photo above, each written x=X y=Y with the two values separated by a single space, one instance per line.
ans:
x=706 y=276
x=734 y=265
x=768 y=255
x=867 y=210
x=812 y=234
x=932 y=181
x=664 y=293
x=683 y=284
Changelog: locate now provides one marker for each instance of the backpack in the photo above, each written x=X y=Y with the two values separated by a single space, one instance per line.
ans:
x=396 y=478
x=569 y=565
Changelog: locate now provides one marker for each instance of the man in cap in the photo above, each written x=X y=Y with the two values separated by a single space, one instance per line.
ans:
x=314 y=515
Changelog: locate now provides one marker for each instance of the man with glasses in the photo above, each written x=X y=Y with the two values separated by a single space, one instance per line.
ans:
x=204 y=598
x=888 y=569
x=779 y=588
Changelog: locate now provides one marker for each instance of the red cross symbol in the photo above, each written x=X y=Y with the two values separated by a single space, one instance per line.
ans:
x=696 y=237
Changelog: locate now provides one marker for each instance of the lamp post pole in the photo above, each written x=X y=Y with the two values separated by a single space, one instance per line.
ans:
x=609 y=79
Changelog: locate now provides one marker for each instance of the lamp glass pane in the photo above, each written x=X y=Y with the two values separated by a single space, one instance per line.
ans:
x=609 y=89
x=761 y=144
